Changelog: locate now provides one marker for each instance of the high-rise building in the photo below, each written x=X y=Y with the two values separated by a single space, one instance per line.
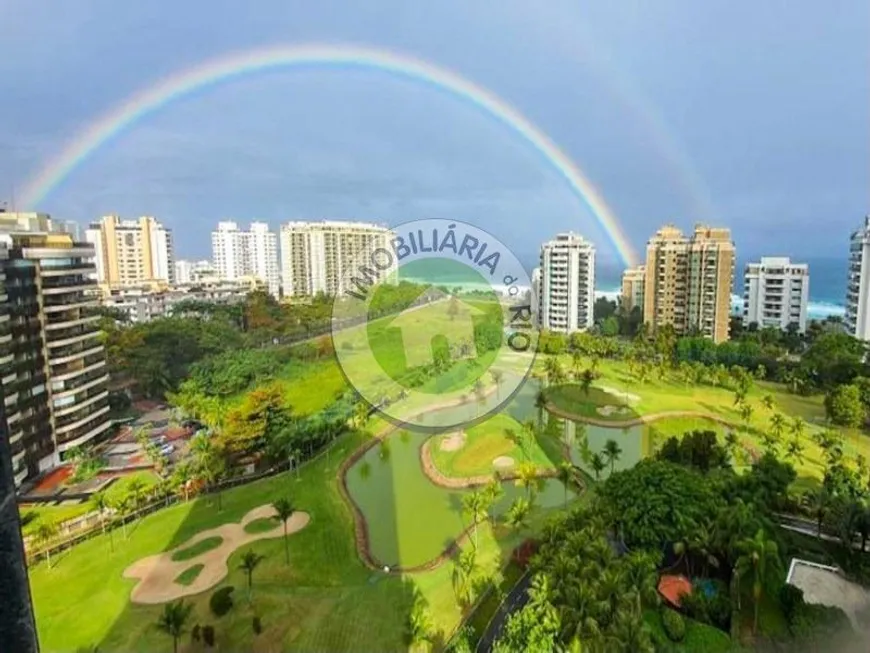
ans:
x=858 y=285
x=688 y=281
x=316 y=256
x=776 y=293
x=238 y=254
x=131 y=252
x=633 y=280
x=566 y=288
x=53 y=374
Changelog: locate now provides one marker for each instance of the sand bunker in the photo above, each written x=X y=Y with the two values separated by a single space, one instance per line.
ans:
x=607 y=411
x=453 y=441
x=627 y=396
x=503 y=462
x=157 y=573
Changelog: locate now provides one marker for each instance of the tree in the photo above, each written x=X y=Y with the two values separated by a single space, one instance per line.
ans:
x=284 y=510
x=642 y=575
x=541 y=406
x=46 y=531
x=463 y=570
x=586 y=380
x=100 y=502
x=843 y=406
x=250 y=561
x=474 y=505
x=597 y=463
x=173 y=620
x=732 y=442
x=798 y=427
x=759 y=560
x=518 y=513
x=745 y=413
x=565 y=472
x=612 y=452
x=419 y=626
x=527 y=477
x=497 y=378
x=767 y=402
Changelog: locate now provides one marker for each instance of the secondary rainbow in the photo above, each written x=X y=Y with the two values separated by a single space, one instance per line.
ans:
x=225 y=68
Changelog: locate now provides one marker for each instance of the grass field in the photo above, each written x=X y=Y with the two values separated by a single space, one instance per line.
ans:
x=667 y=395
x=485 y=442
x=596 y=404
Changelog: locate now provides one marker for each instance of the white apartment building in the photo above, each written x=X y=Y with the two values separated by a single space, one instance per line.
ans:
x=238 y=254
x=566 y=285
x=194 y=271
x=131 y=252
x=776 y=293
x=315 y=256
x=858 y=286
x=144 y=304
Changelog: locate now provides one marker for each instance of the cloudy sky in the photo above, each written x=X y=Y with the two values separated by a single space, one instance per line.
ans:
x=754 y=115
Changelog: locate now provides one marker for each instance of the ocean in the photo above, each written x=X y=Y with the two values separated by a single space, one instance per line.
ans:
x=827 y=284
x=827 y=281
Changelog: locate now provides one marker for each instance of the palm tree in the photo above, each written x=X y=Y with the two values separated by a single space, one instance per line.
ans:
x=597 y=463
x=284 y=510
x=474 y=504
x=565 y=473
x=530 y=432
x=798 y=427
x=795 y=450
x=100 y=502
x=46 y=531
x=250 y=560
x=541 y=405
x=760 y=559
x=576 y=360
x=527 y=477
x=173 y=619
x=463 y=570
x=745 y=412
x=642 y=575
x=360 y=413
x=497 y=378
x=767 y=402
x=777 y=425
x=136 y=490
x=612 y=452
x=732 y=442
x=587 y=378
x=518 y=513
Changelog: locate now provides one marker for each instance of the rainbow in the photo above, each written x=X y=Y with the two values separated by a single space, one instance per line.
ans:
x=235 y=65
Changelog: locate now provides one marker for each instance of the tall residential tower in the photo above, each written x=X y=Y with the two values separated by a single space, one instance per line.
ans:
x=858 y=286
x=239 y=254
x=131 y=252
x=566 y=284
x=688 y=281
x=776 y=293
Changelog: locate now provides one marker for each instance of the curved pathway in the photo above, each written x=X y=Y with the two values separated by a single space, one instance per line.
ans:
x=637 y=421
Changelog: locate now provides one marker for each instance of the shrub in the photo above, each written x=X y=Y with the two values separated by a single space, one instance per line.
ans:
x=714 y=609
x=257 y=625
x=674 y=625
x=208 y=635
x=221 y=601
x=792 y=599
x=195 y=633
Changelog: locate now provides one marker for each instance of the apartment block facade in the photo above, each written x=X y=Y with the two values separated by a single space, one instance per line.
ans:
x=566 y=284
x=857 y=318
x=131 y=252
x=145 y=304
x=194 y=272
x=633 y=280
x=239 y=254
x=53 y=365
x=316 y=256
x=776 y=293
x=688 y=281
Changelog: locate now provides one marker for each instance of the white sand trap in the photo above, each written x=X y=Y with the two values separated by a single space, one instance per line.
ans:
x=157 y=573
x=503 y=462
x=453 y=441
x=627 y=396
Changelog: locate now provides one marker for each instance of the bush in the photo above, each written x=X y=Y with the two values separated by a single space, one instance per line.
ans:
x=792 y=600
x=195 y=633
x=221 y=601
x=257 y=625
x=208 y=635
x=674 y=625
x=714 y=610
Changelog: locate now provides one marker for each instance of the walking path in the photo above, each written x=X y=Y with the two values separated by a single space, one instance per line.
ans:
x=514 y=601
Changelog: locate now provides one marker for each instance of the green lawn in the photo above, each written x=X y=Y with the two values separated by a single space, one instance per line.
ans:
x=667 y=395
x=32 y=514
x=483 y=443
x=596 y=404
x=198 y=549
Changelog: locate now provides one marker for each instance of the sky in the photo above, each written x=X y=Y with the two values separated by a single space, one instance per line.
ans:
x=750 y=115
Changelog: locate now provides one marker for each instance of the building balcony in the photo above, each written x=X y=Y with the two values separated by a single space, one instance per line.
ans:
x=60 y=289
x=69 y=339
x=92 y=427
x=82 y=405
x=64 y=355
x=54 y=307
x=68 y=270
x=79 y=383
x=80 y=415
x=72 y=322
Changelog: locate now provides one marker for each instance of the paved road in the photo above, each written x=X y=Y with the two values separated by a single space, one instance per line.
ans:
x=515 y=600
x=809 y=527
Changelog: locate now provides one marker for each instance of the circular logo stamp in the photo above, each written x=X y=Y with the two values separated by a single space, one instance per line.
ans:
x=433 y=324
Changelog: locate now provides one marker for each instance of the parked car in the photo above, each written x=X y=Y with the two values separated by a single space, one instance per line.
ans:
x=167 y=449
x=159 y=440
